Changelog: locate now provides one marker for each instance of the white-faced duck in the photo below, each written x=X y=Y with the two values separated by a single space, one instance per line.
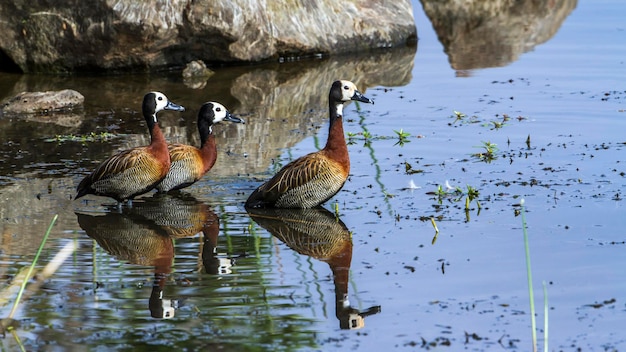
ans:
x=190 y=163
x=135 y=171
x=316 y=177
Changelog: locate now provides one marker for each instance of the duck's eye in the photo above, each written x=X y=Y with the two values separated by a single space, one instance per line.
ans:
x=218 y=109
x=346 y=87
x=160 y=98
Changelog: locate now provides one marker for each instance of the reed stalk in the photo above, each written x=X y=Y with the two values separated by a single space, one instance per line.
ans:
x=530 y=279
x=545 y=317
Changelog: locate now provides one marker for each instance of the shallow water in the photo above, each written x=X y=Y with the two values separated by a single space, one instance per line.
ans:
x=231 y=283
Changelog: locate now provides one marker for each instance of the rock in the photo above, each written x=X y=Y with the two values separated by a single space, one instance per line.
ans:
x=197 y=69
x=196 y=73
x=477 y=34
x=43 y=102
x=128 y=35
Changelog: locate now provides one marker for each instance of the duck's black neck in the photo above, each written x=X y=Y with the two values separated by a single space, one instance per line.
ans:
x=151 y=121
x=205 y=129
x=148 y=108
x=335 y=110
x=336 y=138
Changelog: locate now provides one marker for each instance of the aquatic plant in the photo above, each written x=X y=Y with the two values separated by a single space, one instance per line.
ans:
x=494 y=124
x=498 y=124
x=85 y=138
x=408 y=168
x=462 y=119
x=367 y=137
x=432 y=221
x=351 y=137
x=455 y=194
x=403 y=137
x=458 y=116
x=489 y=152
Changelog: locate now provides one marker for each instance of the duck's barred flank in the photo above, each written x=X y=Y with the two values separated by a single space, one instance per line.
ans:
x=132 y=173
x=325 y=180
x=183 y=172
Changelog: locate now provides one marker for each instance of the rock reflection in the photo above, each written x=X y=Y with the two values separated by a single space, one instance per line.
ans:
x=319 y=234
x=143 y=235
x=295 y=96
x=276 y=99
x=494 y=33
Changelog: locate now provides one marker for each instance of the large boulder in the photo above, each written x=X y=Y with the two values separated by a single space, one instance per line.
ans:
x=129 y=35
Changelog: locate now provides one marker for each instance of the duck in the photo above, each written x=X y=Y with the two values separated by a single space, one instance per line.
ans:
x=138 y=170
x=189 y=163
x=314 y=178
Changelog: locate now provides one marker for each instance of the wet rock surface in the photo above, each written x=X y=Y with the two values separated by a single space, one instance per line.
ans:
x=125 y=35
x=43 y=102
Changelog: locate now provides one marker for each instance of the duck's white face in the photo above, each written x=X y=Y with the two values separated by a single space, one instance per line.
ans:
x=219 y=112
x=161 y=101
x=212 y=112
x=347 y=90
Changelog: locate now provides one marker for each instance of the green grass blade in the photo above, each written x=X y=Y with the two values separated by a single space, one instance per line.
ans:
x=32 y=267
x=17 y=339
x=530 y=279
x=545 y=317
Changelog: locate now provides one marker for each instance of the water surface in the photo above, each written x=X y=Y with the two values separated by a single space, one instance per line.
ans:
x=202 y=274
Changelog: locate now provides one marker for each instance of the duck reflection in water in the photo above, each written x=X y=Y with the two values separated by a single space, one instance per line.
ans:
x=181 y=215
x=144 y=235
x=214 y=263
x=319 y=234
